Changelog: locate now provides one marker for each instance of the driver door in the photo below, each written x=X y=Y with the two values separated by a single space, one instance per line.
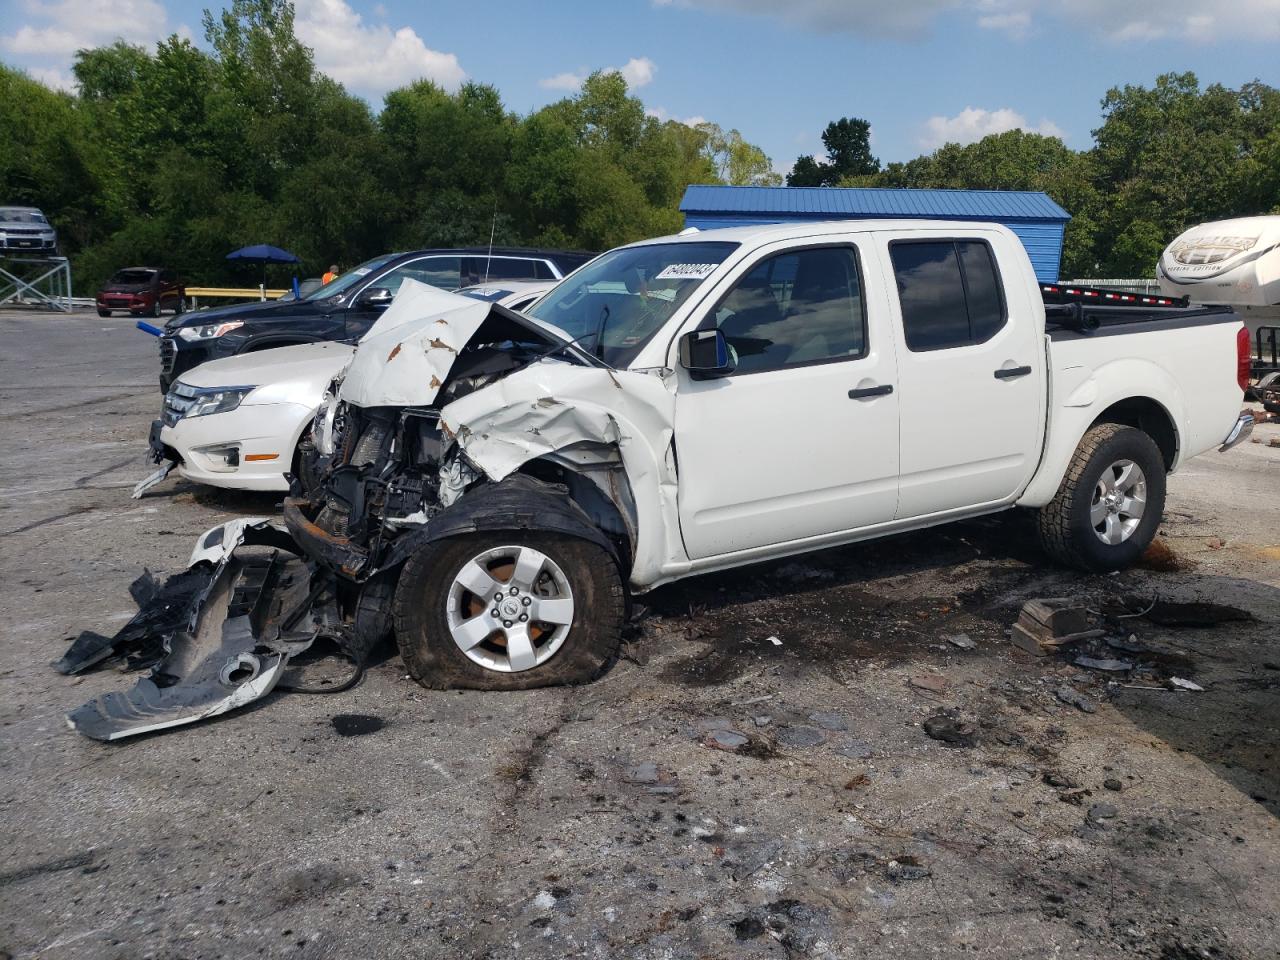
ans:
x=801 y=440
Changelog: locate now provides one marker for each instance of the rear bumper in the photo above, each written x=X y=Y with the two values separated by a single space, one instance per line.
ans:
x=1239 y=433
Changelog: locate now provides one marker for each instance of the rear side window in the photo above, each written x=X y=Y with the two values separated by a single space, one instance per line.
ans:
x=442 y=272
x=949 y=290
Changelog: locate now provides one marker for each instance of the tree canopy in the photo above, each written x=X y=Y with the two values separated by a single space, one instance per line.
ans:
x=174 y=156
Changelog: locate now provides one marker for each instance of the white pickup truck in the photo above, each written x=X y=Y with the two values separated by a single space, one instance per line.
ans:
x=496 y=484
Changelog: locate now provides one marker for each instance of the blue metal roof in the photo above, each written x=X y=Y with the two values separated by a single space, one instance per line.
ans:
x=859 y=202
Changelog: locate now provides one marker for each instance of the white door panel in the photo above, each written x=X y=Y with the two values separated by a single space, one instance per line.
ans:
x=781 y=450
x=772 y=457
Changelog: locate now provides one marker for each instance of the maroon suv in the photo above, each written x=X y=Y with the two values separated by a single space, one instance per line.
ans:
x=143 y=291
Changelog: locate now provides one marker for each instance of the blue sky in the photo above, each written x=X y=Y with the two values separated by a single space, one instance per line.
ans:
x=922 y=71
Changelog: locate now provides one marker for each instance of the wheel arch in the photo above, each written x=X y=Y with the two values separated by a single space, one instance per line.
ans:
x=1149 y=416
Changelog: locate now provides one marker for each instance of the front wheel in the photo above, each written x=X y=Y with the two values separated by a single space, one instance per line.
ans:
x=1105 y=513
x=509 y=611
x=103 y=313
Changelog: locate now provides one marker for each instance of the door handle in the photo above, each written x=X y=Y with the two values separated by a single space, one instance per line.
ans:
x=1012 y=372
x=883 y=390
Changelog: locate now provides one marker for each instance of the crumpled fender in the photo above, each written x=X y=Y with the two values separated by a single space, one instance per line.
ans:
x=549 y=408
x=519 y=502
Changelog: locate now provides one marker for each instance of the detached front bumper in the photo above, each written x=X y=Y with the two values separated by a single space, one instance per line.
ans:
x=1239 y=433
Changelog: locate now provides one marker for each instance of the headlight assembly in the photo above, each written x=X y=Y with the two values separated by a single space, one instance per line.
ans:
x=219 y=400
x=210 y=331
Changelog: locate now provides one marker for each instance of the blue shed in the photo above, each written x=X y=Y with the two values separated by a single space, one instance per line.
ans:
x=1033 y=216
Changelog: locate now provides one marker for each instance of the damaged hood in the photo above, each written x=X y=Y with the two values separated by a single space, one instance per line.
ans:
x=406 y=356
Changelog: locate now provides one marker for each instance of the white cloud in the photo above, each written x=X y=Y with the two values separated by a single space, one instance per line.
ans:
x=973 y=123
x=661 y=113
x=53 y=78
x=638 y=72
x=370 y=58
x=1118 y=20
x=56 y=30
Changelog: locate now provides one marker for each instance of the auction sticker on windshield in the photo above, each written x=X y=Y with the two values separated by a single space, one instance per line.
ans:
x=687 y=271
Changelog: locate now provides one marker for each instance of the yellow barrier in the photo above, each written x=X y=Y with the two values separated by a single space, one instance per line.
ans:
x=232 y=293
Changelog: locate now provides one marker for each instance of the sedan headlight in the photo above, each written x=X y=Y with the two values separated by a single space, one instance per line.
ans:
x=210 y=331
x=217 y=401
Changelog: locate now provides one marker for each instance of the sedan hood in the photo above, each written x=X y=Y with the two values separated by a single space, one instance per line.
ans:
x=312 y=363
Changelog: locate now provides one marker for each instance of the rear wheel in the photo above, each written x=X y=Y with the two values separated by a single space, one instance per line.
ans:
x=509 y=611
x=1105 y=513
x=103 y=313
x=155 y=307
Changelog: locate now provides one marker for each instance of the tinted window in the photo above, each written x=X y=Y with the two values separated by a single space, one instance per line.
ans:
x=982 y=290
x=442 y=272
x=506 y=268
x=794 y=309
x=949 y=291
x=542 y=271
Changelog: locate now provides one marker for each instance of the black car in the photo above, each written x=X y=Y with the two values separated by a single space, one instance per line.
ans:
x=345 y=308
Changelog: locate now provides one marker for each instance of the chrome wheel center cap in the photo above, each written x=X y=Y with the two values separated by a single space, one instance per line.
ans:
x=510 y=607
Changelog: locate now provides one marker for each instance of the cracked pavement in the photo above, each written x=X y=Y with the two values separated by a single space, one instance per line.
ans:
x=625 y=818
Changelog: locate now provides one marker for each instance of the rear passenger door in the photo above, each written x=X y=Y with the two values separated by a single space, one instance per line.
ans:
x=801 y=440
x=970 y=373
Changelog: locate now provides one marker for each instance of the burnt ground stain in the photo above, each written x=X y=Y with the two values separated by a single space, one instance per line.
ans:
x=356 y=724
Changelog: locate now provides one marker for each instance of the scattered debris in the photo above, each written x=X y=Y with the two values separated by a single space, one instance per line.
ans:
x=729 y=740
x=931 y=682
x=775 y=641
x=800 y=737
x=856 y=781
x=951 y=731
x=961 y=640
x=1103 y=811
x=1111 y=783
x=906 y=868
x=646 y=772
x=1074 y=698
x=1059 y=780
x=1177 y=683
x=1043 y=626
x=830 y=721
x=1104 y=664
x=763 y=720
x=1127 y=646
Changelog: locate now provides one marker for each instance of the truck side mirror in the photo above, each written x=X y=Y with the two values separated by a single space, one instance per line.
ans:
x=377 y=297
x=705 y=354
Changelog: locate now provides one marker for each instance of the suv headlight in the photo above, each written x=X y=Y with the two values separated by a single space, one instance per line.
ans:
x=217 y=401
x=210 y=331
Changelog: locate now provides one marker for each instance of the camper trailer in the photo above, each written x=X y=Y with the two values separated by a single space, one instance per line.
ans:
x=1235 y=262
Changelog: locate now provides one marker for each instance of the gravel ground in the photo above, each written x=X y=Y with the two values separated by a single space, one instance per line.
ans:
x=717 y=794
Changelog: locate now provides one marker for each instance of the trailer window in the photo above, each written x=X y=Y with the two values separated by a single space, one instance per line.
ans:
x=949 y=291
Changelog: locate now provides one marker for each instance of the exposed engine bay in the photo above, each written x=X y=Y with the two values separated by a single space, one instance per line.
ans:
x=259 y=593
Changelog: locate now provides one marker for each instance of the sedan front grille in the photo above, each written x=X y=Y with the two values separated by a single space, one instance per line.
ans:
x=168 y=355
x=177 y=402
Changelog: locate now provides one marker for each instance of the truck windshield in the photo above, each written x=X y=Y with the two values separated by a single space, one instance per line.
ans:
x=353 y=276
x=627 y=295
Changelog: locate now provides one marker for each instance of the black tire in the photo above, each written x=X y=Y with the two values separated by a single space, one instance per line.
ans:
x=103 y=313
x=435 y=661
x=180 y=306
x=155 y=308
x=1066 y=532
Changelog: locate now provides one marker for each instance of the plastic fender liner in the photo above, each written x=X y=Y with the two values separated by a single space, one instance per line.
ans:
x=519 y=502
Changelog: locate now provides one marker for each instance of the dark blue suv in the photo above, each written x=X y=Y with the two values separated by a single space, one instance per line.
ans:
x=345 y=308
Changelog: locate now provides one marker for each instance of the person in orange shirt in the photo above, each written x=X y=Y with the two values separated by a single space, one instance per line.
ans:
x=331 y=275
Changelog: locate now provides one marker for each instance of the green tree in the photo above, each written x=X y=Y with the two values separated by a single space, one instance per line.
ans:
x=848 y=143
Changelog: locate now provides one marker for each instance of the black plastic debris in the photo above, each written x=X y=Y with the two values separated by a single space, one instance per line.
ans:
x=950 y=731
x=163 y=609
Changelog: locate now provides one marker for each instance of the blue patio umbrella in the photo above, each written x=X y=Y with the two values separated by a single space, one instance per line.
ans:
x=263 y=253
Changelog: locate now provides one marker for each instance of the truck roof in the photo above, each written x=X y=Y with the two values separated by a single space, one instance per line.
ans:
x=816 y=228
